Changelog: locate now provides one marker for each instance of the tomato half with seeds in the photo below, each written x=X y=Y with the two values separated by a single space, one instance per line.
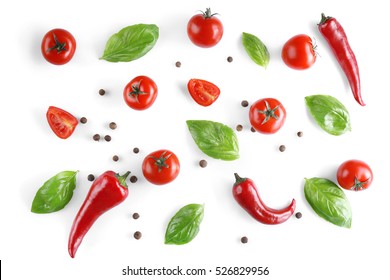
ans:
x=61 y=122
x=205 y=30
x=140 y=93
x=355 y=175
x=203 y=92
x=58 y=46
x=299 y=52
x=161 y=167
x=267 y=115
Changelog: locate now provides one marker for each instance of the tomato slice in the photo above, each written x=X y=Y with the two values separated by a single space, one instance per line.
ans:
x=203 y=92
x=61 y=122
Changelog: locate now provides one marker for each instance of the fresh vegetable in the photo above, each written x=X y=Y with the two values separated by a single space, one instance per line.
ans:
x=55 y=193
x=214 y=139
x=328 y=201
x=256 y=50
x=161 y=167
x=299 y=52
x=106 y=192
x=184 y=225
x=355 y=175
x=203 y=92
x=329 y=113
x=140 y=93
x=267 y=115
x=61 y=122
x=131 y=43
x=205 y=30
x=58 y=46
x=337 y=40
x=246 y=194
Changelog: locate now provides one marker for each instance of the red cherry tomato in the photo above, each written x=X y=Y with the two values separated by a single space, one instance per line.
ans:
x=203 y=92
x=354 y=175
x=140 y=93
x=161 y=167
x=58 y=46
x=205 y=30
x=61 y=122
x=299 y=52
x=267 y=115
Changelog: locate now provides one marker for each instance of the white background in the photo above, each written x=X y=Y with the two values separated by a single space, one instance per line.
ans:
x=34 y=246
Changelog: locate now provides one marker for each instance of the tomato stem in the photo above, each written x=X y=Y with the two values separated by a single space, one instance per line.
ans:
x=268 y=112
x=208 y=14
x=58 y=45
x=136 y=90
x=160 y=161
x=359 y=185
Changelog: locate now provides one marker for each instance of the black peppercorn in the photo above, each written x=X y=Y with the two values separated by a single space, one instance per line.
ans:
x=102 y=92
x=91 y=177
x=298 y=215
x=244 y=239
x=83 y=120
x=244 y=103
x=107 y=138
x=137 y=235
x=135 y=216
x=230 y=59
x=282 y=148
x=96 y=137
x=133 y=179
x=115 y=158
x=203 y=163
x=178 y=64
x=136 y=150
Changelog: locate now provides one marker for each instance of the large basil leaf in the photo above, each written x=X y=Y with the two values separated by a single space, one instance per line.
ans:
x=329 y=113
x=184 y=225
x=55 y=193
x=131 y=43
x=256 y=50
x=214 y=139
x=328 y=201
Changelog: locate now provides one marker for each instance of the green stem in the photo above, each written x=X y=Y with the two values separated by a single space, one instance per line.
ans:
x=239 y=179
x=324 y=18
x=122 y=179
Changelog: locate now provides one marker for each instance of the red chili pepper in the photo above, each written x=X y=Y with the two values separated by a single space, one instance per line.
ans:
x=107 y=191
x=335 y=35
x=245 y=193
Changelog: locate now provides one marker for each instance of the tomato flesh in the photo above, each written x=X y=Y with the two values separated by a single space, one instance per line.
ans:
x=61 y=122
x=203 y=92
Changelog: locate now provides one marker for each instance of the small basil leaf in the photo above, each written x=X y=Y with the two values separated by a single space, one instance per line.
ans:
x=328 y=201
x=131 y=43
x=184 y=225
x=55 y=193
x=329 y=113
x=256 y=50
x=214 y=139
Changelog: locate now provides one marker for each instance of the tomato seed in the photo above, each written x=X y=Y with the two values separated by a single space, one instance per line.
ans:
x=137 y=235
x=203 y=163
x=244 y=239
x=239 y=127
x=112 y=125
x=298 y=215
x=133 y=179
x=244 y=103
x=135 y=150
x=282 y=148
x=230 y=59
x=178 y=64
x=300 y=133
x=96 y=137
x=102 y=92
x=107 y=138
x=135 y=216
x=115 y=158
x=91 y=177
x=83 y=120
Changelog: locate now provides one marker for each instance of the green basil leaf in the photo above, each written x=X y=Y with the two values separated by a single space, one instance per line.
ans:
x=328 y=201
x=131 y=43
x=184 y=225
x=214 y=139
x=256 y=50
x=55 y=193
x=329 y=113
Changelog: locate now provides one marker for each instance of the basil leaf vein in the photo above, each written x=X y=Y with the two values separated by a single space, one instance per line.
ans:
x=55 y=193
x=256 y=49
x=184 y=225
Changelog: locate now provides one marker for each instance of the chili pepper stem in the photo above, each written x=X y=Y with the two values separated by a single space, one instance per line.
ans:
x=122 y=178
x=239 y=179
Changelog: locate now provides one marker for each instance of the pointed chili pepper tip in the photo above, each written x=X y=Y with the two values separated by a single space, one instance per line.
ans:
x=238 y=179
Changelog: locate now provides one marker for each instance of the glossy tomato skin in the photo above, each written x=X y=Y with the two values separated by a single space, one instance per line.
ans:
x=140 y=93
x=61 y=122
x=355 y=175
x=161 y=167
x=58 y=46
x=299 y=52
x=205 y=30
x=267 y=115
x=203 y=92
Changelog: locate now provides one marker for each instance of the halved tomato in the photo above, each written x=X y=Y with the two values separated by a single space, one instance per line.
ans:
x=203 y=92
x=61 y=122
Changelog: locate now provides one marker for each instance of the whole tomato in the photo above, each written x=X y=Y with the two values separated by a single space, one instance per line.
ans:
x=61 y=122
x=140 y=93
x=161 y=167
x=58 y=46
x=205 y=30
x=203 y=92
x=299 y=52
x=267 y=115
x=355 y=175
